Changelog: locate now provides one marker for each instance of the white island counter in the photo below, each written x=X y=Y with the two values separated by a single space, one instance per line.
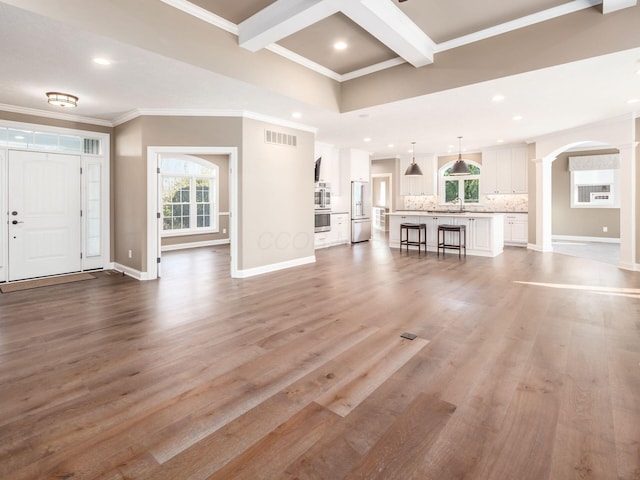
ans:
x=485 y=231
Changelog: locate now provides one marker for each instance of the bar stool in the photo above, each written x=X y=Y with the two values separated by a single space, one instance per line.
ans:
x=462 y=238
x=404 y=239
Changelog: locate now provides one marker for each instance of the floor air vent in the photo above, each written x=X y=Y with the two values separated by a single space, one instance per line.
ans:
x=279 y=138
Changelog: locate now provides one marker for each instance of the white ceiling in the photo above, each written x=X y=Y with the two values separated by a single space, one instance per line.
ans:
x=39 y=55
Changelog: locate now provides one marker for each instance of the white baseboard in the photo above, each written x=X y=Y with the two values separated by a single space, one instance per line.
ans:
x=574 y=238
x=252 y=272
x=184 y=246
x=537 y=248
x=634 y=267
x=132 y=272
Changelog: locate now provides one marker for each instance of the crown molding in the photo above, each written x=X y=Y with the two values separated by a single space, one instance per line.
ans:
x=372 y=68
x=58 y=116
x=169 y=112
x=203 y=14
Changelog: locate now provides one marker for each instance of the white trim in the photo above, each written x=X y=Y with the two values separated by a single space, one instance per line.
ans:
x=204 y=15
x=549 y=14
x=305 y=62
x=577 y=238
x=131 y=272
x=59 y=116
x=372 y=69
x=153 y=225
x=184 y=246
x=536 y=248
x=634 y=267
x=251 y=272
x=176 y=112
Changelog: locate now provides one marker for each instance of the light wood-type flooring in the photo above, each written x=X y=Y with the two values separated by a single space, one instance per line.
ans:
x=525 y=366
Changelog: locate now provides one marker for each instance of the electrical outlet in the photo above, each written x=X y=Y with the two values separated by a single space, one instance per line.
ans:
x=224 y=230
x=605 y=229
x=130 y=254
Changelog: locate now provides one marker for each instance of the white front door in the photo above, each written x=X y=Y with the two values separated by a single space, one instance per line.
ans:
x=44 y=214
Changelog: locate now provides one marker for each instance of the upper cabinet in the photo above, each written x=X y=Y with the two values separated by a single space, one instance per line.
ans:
x=424 y=184
x=358 y=164
x=504 y=170
x=330 y=165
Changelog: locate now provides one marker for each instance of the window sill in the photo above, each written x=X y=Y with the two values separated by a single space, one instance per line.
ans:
x=190 y=231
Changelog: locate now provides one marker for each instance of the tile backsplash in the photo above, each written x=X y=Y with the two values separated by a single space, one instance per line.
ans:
x=488 y=203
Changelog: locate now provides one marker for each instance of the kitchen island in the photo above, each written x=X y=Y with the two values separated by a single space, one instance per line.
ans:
x=485 y=231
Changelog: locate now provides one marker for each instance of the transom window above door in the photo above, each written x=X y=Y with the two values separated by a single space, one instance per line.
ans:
x=189 y=195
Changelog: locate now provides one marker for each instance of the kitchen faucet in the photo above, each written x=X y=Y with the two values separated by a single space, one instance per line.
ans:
x=458 y=199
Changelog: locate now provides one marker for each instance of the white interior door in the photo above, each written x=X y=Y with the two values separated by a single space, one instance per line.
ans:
x=44 y=214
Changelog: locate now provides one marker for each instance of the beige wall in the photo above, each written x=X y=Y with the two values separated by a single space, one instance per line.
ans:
x=389 y=166
x=132 y=140
x=583 y=222
x=222 y=161
x=277 y=215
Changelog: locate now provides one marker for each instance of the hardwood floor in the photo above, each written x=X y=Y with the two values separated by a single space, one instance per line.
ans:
x=526 y=366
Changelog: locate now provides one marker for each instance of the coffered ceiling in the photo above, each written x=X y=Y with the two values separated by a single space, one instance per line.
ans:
x=419 y=70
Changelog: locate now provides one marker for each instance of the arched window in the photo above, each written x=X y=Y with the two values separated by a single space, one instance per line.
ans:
x=456 y=187
x=189 y=195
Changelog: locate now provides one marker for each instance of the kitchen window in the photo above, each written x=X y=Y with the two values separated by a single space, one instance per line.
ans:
x=189 y=195
x=465 y=187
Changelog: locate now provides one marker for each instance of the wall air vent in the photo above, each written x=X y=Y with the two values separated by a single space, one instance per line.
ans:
x=279 y=138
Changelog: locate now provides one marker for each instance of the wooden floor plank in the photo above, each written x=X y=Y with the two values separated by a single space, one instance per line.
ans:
x=198 y=375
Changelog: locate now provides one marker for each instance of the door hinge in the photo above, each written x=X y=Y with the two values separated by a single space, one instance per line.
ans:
x=158 y=169
x=158 y=259
x=80 y=170
x=158 y=214
x=80 y=212
x=80 y=255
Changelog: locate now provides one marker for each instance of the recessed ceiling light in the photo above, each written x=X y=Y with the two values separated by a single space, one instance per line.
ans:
x=390 y=145
x=500 y=140
x=340 y=45
x=633 y=100
x=498 y=98
x=366 y=139
x=101 y=61
x=296 y=115
x=449 y=147
x=517 y=118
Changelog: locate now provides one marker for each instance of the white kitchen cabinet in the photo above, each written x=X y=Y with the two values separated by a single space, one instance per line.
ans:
x=424 y=184
x=504 y=171
x=339 y=228
x=516 y=229
x=339 y=233
x=357 y=163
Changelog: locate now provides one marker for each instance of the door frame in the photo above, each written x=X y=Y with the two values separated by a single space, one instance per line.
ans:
x=104 y=261
x=154 y=224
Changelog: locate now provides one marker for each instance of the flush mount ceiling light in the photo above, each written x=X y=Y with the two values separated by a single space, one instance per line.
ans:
x=340 y=45
x=460 y=167
x=62 y=99
x=413 y=169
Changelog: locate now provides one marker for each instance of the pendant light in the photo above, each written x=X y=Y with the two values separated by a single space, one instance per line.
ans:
x=413 y=169
x=460 y=167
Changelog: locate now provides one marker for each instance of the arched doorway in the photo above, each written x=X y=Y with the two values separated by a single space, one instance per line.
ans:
x=617 y=133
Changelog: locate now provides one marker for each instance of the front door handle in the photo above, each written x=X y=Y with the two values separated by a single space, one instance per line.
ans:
x=15 y=222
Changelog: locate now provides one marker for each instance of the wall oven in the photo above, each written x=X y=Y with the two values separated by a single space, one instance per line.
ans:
x=322 y=196
x=323 y=220
x=322 y=204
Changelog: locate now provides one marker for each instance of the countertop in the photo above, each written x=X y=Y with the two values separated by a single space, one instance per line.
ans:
x=449 y=214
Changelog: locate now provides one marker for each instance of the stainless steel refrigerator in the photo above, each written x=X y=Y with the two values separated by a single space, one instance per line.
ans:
x=360 y=212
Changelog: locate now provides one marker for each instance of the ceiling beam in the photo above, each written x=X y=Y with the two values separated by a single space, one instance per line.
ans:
x=381 y=18
x=609 y=6
x=281 y=19
x=385 y=21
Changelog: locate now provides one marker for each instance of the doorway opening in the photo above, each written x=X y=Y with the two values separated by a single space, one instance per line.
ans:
x=191 y=204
